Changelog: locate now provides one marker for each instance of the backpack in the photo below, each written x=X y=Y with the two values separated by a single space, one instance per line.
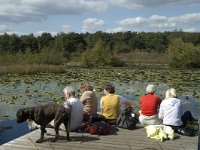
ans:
x=99 y=126
x=127 y=119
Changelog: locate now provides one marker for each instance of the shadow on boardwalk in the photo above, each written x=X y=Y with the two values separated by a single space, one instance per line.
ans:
x=118 y=140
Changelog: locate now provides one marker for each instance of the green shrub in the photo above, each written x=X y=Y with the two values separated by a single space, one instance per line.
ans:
x=183 y=55
x=50 y=56
x=87 y=59
x=100 y=55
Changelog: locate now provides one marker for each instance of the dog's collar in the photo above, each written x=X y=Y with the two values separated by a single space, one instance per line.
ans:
x=30 y=113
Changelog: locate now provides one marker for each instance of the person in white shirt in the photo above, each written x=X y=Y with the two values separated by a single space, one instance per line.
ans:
x=171 y=111
x=76 y=109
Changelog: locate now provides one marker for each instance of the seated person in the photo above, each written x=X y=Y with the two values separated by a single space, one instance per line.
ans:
x=76 y=109
x=171 y=111
x=110 y=104
x=89 y=100
x=149 y=104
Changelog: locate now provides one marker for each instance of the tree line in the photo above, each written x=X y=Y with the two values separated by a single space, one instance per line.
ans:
x=100 y=48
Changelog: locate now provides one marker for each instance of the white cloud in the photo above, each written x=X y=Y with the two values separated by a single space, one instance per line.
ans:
x=92 y=24
x=66 y=28
x=21 y=12
x=163 y=25
x=127 y=3
x=135 y=4
x=162 y=22
x=187 y=18
x=114 y=30
x=38 y=33
x=131 y=21
x=157 y=18
x=18 y=11
x=159 y=23
x=189 y=30
x=4 y=28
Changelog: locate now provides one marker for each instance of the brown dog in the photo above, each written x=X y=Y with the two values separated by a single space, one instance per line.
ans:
x=43 y=115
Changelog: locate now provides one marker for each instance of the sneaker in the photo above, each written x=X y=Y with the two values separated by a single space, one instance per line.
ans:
x=187 y=132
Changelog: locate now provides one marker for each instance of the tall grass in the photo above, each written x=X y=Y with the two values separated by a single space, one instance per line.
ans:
x=44 y=57
x=26 y=63
x=144 y=57
x=53 y=61
x=31 y=69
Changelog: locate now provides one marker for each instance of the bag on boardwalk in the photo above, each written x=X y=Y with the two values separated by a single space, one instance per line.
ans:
x=191 y=129
x=127 y=119
x=99 y=126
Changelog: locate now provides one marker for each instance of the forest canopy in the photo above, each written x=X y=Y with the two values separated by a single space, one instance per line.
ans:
x=104 y=47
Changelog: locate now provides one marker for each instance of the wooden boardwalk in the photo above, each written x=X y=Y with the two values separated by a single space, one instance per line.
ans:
x=119 y=139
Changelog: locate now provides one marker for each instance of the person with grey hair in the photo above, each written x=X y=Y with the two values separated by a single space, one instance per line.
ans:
x=171 y=112
x=76 y=107
x=149 y=104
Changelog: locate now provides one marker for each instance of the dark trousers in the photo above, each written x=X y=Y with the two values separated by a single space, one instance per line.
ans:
x=187 y=116
x=86 y=117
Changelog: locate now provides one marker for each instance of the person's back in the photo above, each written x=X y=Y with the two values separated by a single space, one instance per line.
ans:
x=90 y=102
x=76 y=108
x=171 y=114
x=76 y=113
x=110 y=106
x=149 y=104
x=171 y=111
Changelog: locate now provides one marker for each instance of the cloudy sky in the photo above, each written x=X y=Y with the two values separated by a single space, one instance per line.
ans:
x=53 y=16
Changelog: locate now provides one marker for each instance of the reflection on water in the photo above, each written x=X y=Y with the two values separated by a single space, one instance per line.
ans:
x=16 y=130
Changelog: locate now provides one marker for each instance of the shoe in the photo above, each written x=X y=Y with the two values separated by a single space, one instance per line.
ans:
x=187 y=132
x=181 y=131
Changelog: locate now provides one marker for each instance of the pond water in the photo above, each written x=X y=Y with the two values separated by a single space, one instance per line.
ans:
x=14 y=132
x=32 y=90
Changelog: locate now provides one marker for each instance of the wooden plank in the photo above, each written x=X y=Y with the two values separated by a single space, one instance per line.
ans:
x=122 y=139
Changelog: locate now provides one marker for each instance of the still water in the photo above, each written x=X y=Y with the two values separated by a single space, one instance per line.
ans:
x=32 y=90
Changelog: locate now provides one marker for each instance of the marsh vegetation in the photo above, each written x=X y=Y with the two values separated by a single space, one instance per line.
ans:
x=17 y=91
x=177 y=49
x=34 y=70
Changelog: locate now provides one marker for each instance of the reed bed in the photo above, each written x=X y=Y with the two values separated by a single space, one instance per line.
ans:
x=31 y=69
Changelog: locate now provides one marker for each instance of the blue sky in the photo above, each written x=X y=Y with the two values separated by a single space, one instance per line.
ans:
x=80 y=16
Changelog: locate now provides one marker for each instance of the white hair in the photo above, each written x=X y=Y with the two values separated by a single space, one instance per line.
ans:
x=170 y=93
x=69 y=90
x=150 y=88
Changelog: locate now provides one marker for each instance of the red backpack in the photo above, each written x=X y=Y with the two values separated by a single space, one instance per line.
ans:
x=99 y=128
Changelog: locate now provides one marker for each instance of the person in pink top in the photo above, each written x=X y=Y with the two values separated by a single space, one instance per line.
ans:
x=149 y=104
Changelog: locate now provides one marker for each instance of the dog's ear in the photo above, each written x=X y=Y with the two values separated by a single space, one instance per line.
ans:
x=21 y=115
